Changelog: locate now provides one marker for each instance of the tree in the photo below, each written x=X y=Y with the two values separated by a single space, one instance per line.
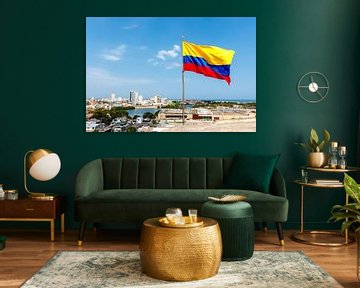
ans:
x=102 y=115
x=148 y=115
x=173 y=105
x=118 y=112
x=106 y=116
x=131 y=129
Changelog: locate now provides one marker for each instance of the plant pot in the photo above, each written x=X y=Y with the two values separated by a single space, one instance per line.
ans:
x=317 y=159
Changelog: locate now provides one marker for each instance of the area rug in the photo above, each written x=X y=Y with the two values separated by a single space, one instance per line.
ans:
x=80 y=269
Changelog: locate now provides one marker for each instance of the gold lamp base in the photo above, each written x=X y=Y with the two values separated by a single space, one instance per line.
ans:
x=41 y=196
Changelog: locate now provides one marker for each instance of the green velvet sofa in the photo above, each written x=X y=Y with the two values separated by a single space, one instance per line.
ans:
x=130 y=190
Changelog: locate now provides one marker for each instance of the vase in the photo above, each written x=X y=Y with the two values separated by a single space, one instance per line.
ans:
x=317 y=159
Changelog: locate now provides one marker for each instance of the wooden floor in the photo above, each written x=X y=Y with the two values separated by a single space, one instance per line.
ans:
x=28 y=250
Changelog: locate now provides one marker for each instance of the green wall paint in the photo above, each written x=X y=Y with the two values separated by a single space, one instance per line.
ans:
x=43 y=88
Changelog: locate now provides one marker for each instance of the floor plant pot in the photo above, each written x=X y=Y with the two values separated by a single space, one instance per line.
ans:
x=317 y=159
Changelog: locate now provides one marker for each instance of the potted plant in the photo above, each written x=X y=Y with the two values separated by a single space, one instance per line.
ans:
x=317 y=157
x=350 y=214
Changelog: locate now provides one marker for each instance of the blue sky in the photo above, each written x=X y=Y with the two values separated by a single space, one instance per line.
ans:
x=144 y=54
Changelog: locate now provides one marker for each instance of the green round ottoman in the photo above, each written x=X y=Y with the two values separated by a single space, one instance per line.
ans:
x=236 y=221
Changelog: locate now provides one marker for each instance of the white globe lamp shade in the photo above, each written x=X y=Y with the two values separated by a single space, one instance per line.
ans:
x=44 y=164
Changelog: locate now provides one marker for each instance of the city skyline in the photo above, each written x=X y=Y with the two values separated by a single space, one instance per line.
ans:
x=144 y=54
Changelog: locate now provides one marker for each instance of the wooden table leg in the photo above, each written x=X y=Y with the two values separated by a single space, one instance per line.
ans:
x=302 y=209
x=63 y=223
x=52 y=230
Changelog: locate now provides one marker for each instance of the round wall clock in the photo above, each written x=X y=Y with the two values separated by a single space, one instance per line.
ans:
x=313 y=87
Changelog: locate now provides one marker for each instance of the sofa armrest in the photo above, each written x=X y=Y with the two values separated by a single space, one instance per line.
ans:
x=277 y=184
x=89 y=179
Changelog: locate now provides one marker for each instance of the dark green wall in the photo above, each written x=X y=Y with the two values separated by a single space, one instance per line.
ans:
x=43 y=88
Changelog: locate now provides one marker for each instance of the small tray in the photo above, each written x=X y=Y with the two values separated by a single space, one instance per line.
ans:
x=164 y=222
x=228 y=198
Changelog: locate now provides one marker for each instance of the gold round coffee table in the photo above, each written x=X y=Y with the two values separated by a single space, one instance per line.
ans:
x=180 y=254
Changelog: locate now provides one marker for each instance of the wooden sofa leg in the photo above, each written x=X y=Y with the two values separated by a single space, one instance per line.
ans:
x=265 y=227
x=81 y=233
x=280 y=233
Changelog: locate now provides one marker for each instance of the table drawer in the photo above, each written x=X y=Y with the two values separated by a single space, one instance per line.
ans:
x=28 y=209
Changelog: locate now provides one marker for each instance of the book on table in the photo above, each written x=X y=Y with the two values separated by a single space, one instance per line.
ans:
x=327 y=181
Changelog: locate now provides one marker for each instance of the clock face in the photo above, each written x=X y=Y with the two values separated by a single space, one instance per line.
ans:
x=313 y=87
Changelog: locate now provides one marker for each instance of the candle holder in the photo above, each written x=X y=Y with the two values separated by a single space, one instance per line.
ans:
x=342 y=153
x=304 y=176
x=333 y=149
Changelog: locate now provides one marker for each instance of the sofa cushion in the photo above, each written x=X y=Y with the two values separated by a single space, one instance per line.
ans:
x=251 y=172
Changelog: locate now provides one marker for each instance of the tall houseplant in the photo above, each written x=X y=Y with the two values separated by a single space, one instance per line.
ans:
x=317 y=157
x=350 y=214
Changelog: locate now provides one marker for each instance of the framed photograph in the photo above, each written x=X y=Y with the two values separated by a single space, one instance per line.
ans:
x=170 y=74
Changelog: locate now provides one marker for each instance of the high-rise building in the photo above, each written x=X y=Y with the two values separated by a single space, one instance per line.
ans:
x=134 y=97
x=113 y=97
x=157 y=99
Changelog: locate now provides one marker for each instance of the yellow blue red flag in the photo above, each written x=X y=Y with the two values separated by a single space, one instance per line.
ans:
x=210 y=61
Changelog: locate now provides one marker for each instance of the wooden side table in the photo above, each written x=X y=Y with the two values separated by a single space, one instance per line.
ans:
x=26 y=209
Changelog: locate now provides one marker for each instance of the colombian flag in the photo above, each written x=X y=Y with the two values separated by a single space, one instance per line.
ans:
x=210 y=61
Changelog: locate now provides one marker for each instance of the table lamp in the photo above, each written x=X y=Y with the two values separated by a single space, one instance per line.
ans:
x=43 y=165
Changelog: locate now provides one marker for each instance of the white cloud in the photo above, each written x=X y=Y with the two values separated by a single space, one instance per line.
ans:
x=152 y=61
x=172 y=65
x=166 y=58
x=115 y=54
x=130 y=27
x=166 y=54
x=104 y=78
x=142 y=47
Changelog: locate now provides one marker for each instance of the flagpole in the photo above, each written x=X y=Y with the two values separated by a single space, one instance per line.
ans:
x=183 y=99
x=183 y=85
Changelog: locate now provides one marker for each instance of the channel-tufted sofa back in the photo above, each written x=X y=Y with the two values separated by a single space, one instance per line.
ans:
x=164 y=173
x=160 y=173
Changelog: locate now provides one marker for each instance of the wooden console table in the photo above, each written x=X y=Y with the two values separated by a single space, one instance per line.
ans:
x=26 y=209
